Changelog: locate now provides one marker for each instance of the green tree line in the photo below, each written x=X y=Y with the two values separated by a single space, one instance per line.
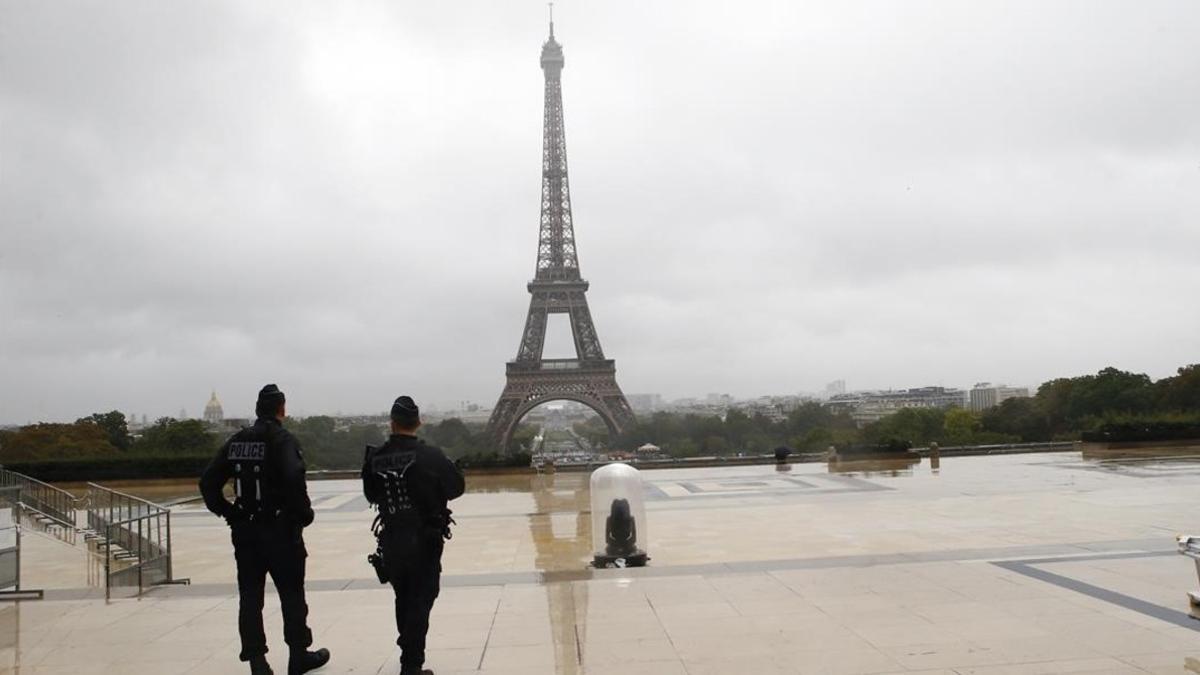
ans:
x=326 y=447
x=105 y=435
x=1062 y=409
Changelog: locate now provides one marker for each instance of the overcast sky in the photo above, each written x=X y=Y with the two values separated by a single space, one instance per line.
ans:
x=343 y=197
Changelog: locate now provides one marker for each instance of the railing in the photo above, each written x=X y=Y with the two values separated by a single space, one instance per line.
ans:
x=44 y=500
x=10 y=547
x=561 y=364
x=134 y=536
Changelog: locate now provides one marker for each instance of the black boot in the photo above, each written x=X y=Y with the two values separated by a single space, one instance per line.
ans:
x=302 y=662
x=415 y=671
x=259 y=666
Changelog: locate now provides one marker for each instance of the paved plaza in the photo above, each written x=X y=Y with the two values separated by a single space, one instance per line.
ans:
x=1027 y=564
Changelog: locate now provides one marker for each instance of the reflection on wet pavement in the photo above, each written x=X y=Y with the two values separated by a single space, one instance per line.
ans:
x=869 y=467
x=798 y=568
x=567 y=546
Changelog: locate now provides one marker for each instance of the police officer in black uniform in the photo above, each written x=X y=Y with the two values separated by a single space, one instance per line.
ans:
x=267 y=517
x=410 y=482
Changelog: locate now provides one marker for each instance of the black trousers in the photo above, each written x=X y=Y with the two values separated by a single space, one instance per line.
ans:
x=274 y=547
x=414 y=562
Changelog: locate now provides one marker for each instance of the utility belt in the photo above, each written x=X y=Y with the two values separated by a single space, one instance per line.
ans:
x=436 y=523
x=266 y=516
x=263 y=516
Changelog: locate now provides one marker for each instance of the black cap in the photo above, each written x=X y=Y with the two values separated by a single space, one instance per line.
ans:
x=269 y=400
x=405 y=411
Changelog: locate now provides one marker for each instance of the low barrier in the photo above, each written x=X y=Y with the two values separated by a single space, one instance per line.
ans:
x=134 y=536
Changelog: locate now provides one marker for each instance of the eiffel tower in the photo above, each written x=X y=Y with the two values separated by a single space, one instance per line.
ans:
x=557 y=288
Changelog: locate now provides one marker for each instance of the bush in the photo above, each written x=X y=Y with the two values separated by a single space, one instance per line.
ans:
x=113 y=468
x=1153 y=430
x=891 y=446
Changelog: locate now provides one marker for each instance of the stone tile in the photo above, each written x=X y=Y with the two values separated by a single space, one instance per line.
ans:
x=953 y=655
x=522 y=656
x=1097 y=665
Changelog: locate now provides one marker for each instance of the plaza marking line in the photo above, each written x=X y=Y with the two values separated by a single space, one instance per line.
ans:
x=1027 y=568
x=1009 y=558
x=664 y=493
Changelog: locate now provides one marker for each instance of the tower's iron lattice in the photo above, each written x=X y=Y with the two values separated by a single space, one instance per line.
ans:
x=557 y=288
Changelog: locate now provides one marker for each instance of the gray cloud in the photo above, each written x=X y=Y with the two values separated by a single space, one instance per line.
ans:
x=344 y=199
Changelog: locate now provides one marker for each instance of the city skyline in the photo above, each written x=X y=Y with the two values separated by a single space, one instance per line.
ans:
x=342 y=200
x=477 y=408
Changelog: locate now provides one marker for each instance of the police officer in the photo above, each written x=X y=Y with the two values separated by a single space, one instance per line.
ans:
x=410 y=482
x=267 y=517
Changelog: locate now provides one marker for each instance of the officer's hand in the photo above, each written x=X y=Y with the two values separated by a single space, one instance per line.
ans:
x=236 y=516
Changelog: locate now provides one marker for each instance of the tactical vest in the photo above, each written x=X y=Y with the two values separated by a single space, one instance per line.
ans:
x=247 y=455
x=392 y=472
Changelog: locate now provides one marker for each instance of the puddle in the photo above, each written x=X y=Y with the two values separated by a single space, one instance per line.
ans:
x=875 y=467
x=561 y=525
x=561 y=530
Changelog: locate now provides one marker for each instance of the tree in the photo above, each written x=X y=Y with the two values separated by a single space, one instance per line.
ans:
x=737 y=429
x=915 y=425
x=114 y=426
x=595 y=431
x=808 y=416
x=816 y=439
x=685 y=447
x=55 y=441
x=327 y=447
x=169 y=436
x=449 y=433
x=1054 y=401
x=959 y=427
x=1181 y=392
x=1112 y=390
x=1020 y=417
x=522 y=437
x=1069 y=403
x=715 y=445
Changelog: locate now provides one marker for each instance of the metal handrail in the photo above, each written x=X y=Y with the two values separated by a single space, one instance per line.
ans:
x=125 y=496
x=54 y=503
x=137 y=526
x=10 y=586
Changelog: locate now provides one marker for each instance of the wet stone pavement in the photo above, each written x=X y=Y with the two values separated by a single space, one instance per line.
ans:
x=1017 y=564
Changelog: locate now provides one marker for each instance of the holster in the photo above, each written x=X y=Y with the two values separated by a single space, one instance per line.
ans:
x=376 y=559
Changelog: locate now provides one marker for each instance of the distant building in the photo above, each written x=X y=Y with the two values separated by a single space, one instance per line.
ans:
x=872 y=406
x=214 y=414
x=645 y=402
x=835 y=388
x=984 y=395
x=718 y=399
x=774 y=408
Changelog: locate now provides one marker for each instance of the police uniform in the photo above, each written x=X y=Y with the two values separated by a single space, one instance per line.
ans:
x=410 y=482
x=267 y=518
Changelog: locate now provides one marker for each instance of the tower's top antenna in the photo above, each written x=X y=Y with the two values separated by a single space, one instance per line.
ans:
x=551 y=5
